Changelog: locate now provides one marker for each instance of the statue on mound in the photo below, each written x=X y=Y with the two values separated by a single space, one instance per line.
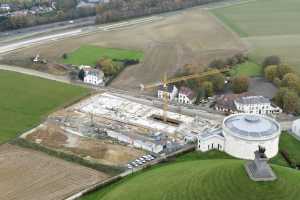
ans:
x=259 y=169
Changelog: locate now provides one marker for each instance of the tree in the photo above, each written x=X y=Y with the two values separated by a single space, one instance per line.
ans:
x=217 y=63
x=271 y=60
x=270 y=72
x=81 y=74
x=278 y=98
x=66 y=4
x=65 y=56
x=240 y=84
x=218 y=81
x=240 y=58
x=107 y=66
x=290 y=101
x=200 y=95
x=291 y=81
x=208 y=88
x=283 y=70
x=277 y=82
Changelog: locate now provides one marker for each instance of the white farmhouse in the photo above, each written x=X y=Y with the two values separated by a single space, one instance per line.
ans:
x=93 y=76
x=256 y=105
x=186 y=96
x=171 y=92
x=5 y=7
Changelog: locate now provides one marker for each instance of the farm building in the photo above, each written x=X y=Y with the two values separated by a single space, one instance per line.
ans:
x=186 y=96
x=241 y=135
x=256 y=105
x=171 y=91
x=93 y=76
x=246 y=103
x=296 y=127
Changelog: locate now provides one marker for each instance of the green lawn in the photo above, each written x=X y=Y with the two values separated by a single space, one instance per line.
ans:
x=262 y=17
x=203 y=176
x=218 y=179
x=25 y=100
x=269 y=27
x=247 y=69
x=89 y=55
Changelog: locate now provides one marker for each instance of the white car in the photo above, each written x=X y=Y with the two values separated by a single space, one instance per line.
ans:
x=129 y=166
x=135 y=164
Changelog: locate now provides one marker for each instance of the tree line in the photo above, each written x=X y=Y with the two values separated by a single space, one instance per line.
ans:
x=124 y=9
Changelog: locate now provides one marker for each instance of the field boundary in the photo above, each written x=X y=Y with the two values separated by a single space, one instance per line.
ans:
x=116 y=178
x=110 y=170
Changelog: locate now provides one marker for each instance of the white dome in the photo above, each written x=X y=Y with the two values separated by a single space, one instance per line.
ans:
x=251 y=127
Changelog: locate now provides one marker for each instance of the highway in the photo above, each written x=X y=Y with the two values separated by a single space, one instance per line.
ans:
x=6 y=48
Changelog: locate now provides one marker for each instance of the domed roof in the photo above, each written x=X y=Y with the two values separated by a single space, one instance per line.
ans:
x=249 y=126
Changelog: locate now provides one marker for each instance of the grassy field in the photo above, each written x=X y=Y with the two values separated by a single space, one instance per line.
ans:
x=247 y=69
x=89 y=55
x=291 y=145
x=218 y=179
x=269 y=27
x=25 y=100
x=262 y=17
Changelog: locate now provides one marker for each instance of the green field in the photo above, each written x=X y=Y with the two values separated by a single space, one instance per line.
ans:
x=89 y=55
x=25 y=100
x=269 y=27
x=247 y=69
x=219 y=179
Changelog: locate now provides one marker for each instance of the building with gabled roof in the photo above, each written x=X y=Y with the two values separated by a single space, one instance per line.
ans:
x=171 y=92
x=93 y=76
x=186 y=96
x=256 y=105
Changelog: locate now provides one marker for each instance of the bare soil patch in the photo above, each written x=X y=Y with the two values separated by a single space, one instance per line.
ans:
x=192 y=37
x=104 y=151
x=30 y=175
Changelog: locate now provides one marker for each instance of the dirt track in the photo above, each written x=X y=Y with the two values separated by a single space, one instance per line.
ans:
x=31 y=175
x=192 y=36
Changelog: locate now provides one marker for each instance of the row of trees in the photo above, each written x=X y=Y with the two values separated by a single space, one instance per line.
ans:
x=229 y=62
x=124 y=9
x=66 y=10
x=288 y=82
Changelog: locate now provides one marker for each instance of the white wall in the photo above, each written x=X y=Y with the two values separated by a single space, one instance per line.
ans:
x=296 y=127
x=245 y=149
x=214 y=142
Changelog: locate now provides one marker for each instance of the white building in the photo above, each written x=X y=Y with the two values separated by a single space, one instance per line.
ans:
x=212 y=139
x=171 y=92
x=5 y=7
x=256 y=105
x=93 y=76
x=296 y=127
x=186 y=96
x=241 y=135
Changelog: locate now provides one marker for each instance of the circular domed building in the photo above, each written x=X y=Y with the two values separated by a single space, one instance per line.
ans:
x=243 y=133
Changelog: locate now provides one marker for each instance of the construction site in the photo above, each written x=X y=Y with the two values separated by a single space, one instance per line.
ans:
x=113 y=130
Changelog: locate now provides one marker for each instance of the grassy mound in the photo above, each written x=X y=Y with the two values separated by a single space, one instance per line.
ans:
x=89 y=55
x=219 y=179
x=25 y=100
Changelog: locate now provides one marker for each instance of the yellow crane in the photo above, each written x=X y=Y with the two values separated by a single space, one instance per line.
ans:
x=167 y=81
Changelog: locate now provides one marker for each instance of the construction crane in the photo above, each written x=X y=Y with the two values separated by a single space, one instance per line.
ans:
x=167 y=81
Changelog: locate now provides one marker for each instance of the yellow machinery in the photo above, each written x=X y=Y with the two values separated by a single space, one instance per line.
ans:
x=167 y=81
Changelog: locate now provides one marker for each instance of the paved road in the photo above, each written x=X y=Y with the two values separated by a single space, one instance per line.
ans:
x=6 y=48
x=35 y=73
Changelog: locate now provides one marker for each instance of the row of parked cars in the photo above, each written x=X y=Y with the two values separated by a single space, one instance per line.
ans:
x=140 y=161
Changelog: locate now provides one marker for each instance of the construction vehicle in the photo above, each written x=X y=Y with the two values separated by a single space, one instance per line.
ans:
x=167 y=81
